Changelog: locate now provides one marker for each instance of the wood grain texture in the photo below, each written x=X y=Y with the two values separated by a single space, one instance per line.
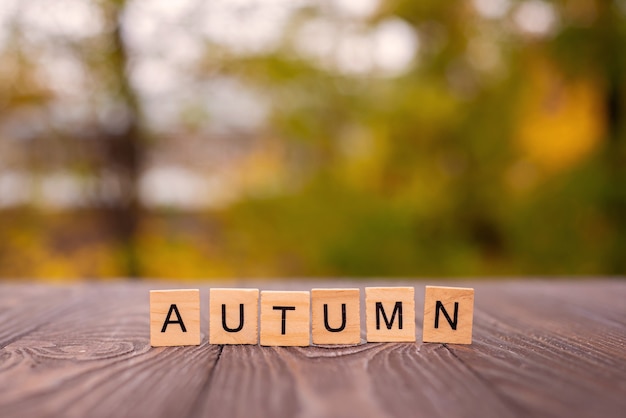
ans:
x=549 y=349
x=94 y=359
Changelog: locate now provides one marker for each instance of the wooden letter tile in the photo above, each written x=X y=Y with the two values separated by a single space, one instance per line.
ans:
x=390 y=314
x=174 y=317
x=233 y=316
x=336 y=316
x=285 y=318
x=448 y=315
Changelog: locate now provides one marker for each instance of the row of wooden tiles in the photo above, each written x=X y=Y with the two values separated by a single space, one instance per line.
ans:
x=329 y=316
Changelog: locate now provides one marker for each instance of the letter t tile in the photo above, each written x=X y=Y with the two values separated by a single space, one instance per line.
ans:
x=285 y=318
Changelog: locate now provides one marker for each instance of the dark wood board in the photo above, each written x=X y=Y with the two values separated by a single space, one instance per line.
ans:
x=541 y=348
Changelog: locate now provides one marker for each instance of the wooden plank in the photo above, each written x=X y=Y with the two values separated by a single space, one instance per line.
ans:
x=23 y=308
x=97 y=361
x=369 y=380
x=543 y=354
x=540 y=348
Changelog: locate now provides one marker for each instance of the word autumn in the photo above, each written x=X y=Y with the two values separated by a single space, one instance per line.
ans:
x=329 y=316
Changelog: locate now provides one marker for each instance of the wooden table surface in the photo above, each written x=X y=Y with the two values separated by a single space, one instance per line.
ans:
x=549 y=349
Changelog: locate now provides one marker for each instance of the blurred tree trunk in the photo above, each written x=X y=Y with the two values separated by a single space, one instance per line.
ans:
x=612 y=38
x=123 y=144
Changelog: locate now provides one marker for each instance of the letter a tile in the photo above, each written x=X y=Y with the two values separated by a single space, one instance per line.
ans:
x=336 y=316
x=285 y=318
x=448 y=315
x=390 y=314
x=233 y=316
x=174 y=317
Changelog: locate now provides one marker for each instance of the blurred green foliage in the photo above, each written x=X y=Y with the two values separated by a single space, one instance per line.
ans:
x=450 y=168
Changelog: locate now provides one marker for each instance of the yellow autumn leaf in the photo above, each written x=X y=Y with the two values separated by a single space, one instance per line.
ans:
x=561 y=120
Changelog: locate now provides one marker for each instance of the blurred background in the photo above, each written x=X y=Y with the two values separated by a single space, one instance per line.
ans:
x=275 y=138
